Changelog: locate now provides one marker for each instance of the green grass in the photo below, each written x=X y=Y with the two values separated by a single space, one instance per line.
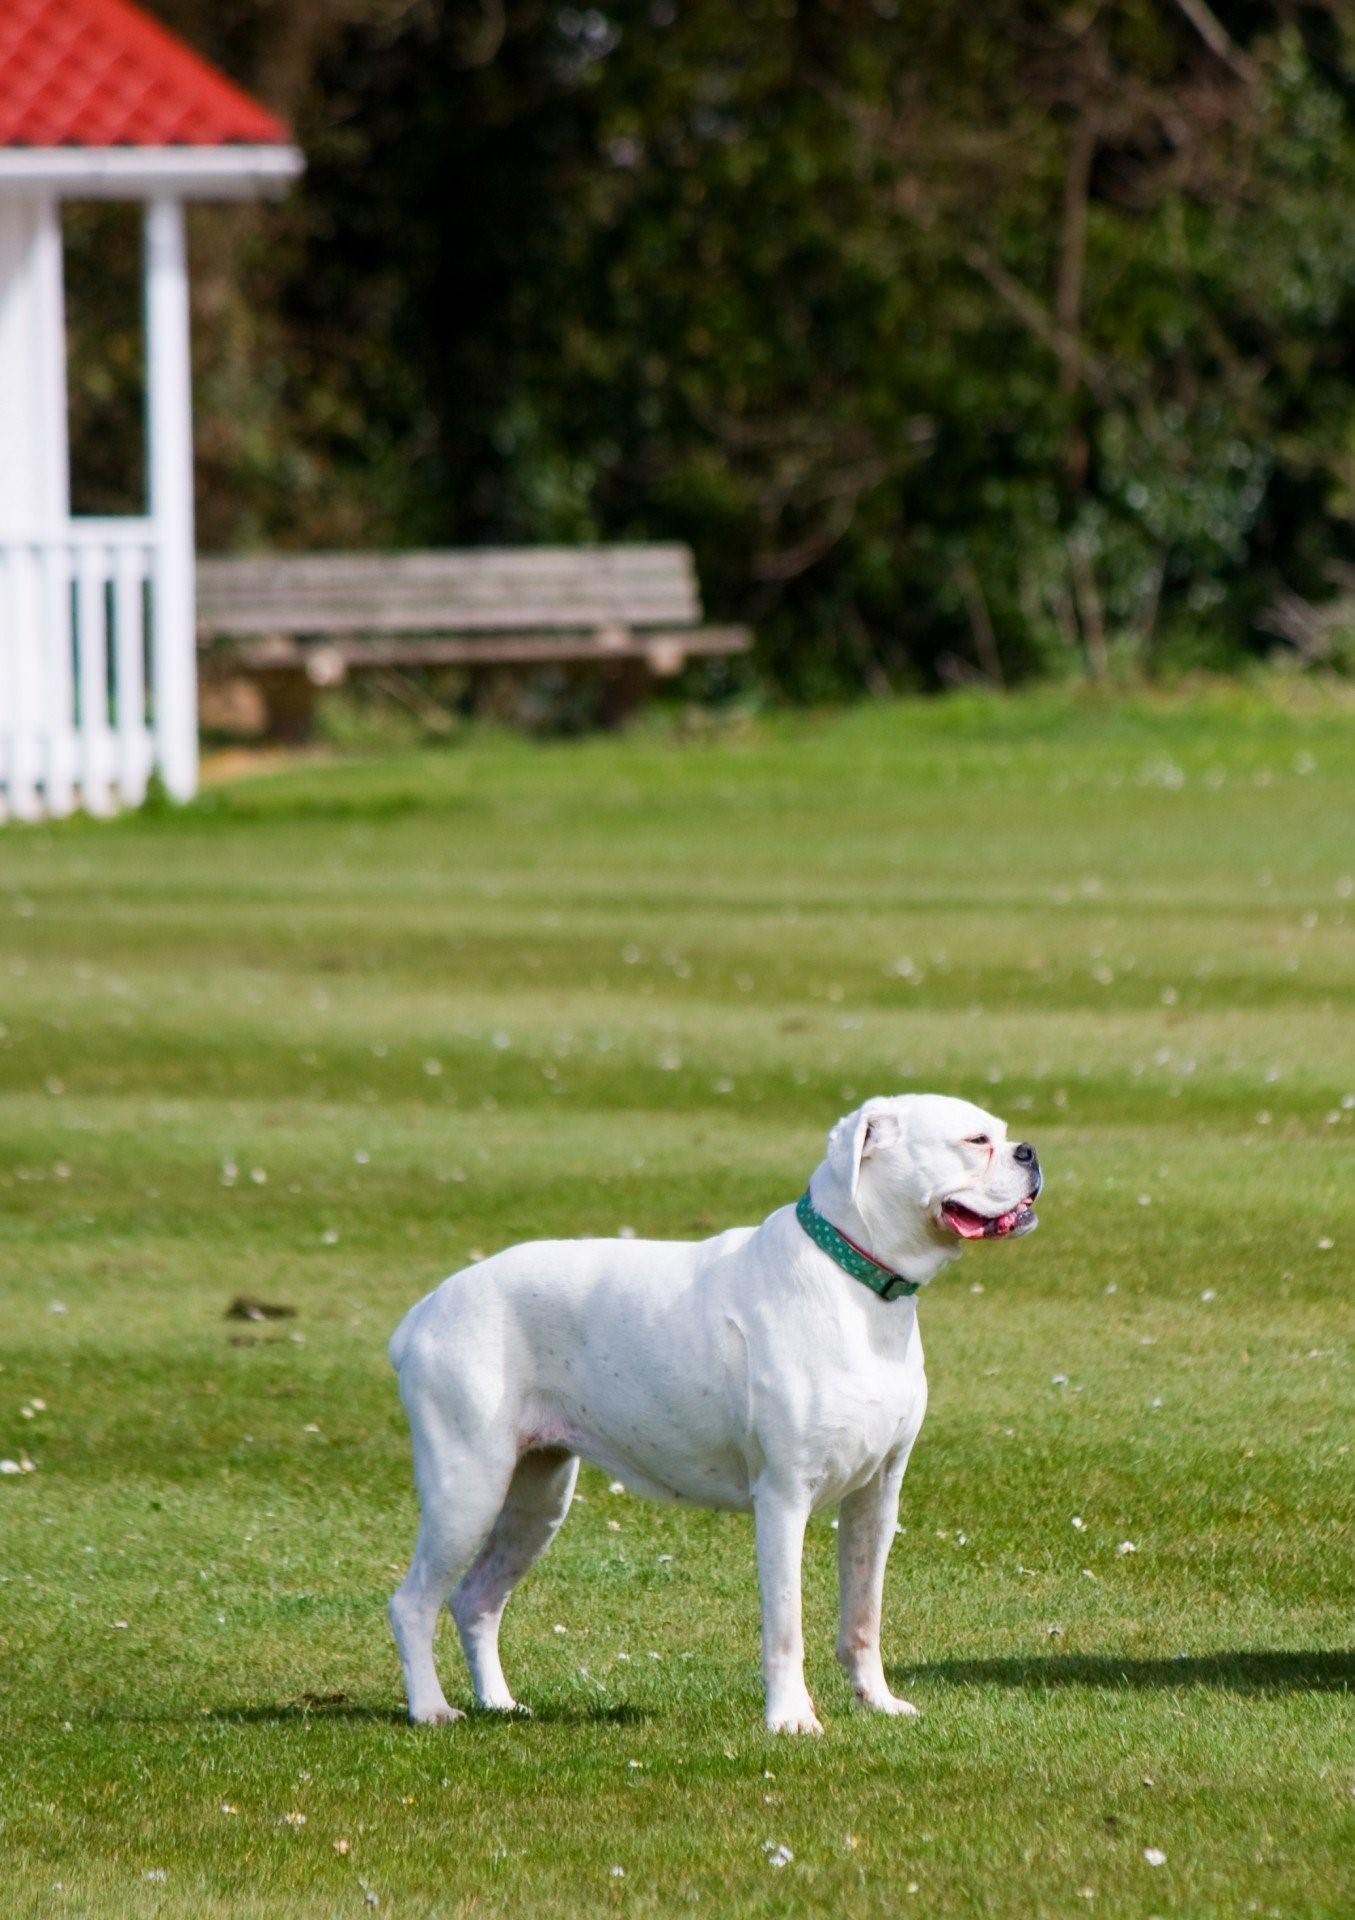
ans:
x=444 y=1003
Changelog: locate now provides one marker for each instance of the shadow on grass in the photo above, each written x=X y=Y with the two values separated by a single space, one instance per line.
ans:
x=1234 y=1672
x=289 y=1712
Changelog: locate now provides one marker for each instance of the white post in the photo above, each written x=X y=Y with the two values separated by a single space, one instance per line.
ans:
x=34 y=488
x=169 y=426
x=34 y=464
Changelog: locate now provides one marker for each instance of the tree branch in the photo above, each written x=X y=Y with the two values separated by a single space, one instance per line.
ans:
x=980 y=622
x=1217 y=38
x=1037 y=320
x=1073 y=246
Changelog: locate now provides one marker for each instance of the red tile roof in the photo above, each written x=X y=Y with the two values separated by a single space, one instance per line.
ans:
x=100 y=73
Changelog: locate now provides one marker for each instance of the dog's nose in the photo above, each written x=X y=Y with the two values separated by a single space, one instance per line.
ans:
x=1025 y=1155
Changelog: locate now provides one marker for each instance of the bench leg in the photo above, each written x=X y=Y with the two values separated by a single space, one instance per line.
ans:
x=626 y=685
x=231 y=705
x=289 y=699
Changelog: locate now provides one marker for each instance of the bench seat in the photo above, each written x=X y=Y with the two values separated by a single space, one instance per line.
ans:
x=311 y=620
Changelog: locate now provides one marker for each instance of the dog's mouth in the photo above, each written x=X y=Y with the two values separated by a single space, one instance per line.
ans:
x=1021 y=1218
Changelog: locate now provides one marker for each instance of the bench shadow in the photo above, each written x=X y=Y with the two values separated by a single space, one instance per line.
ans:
x=1240 y=1671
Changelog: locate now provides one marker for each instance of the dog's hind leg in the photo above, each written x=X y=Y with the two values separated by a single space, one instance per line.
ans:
x=460 y=1493
x=533 y=1512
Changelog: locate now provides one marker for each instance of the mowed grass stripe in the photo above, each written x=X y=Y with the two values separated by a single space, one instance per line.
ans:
x=647 y=976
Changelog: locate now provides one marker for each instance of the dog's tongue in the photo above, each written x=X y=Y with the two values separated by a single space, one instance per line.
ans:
x=971 y=1226
x=974 y=1226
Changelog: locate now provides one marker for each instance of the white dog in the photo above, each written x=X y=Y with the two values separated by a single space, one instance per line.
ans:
x=774 y=1368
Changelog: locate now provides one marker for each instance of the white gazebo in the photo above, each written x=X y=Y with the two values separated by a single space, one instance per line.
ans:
x=97 y=648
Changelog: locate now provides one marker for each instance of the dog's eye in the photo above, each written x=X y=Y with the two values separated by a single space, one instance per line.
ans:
x=978 y=1140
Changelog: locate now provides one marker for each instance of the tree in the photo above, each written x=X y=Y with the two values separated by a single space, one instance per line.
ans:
x=958 y=344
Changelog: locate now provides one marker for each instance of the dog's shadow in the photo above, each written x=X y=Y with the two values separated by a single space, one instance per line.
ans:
x=292 y=1712
x=1240 y=1671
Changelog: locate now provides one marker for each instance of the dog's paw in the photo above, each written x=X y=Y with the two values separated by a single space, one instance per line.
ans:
x=439 y=1716
x=506 y=1705
x=889 y=1703
x=796 y=1720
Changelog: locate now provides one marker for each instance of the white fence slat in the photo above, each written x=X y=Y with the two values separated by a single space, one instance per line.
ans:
x=8 y=652
x=8 y=658
x=62 y=756
x=129 y=641
x=20 y=715
x=26 y=692
x=91 y=642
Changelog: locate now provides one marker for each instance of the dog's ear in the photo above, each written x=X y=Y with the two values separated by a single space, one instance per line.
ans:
x=855 y=1137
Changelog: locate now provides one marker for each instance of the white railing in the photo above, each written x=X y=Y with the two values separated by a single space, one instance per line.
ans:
x=81 y=665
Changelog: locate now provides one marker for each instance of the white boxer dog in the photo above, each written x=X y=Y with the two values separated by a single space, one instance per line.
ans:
x=774 y=1368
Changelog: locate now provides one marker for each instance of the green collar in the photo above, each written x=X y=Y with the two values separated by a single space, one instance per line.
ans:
x=852 y=1259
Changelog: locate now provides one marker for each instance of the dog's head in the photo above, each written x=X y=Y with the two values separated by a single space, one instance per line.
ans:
x=925 y=1172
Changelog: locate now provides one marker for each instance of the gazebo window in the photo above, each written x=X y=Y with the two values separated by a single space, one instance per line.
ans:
x=105 y=357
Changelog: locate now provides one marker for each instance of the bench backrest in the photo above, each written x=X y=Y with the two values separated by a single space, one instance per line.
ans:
x=484 y=590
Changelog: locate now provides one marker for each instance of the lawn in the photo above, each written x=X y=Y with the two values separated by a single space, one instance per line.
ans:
x=324 y=1035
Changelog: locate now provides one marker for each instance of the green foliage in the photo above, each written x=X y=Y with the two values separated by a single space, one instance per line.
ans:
x=957 y=343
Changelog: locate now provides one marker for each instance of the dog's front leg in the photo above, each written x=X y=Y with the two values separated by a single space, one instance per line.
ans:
x=865 y=1532
x=780 y=1518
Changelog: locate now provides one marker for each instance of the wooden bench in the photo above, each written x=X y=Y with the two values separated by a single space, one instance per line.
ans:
x=297 y=623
